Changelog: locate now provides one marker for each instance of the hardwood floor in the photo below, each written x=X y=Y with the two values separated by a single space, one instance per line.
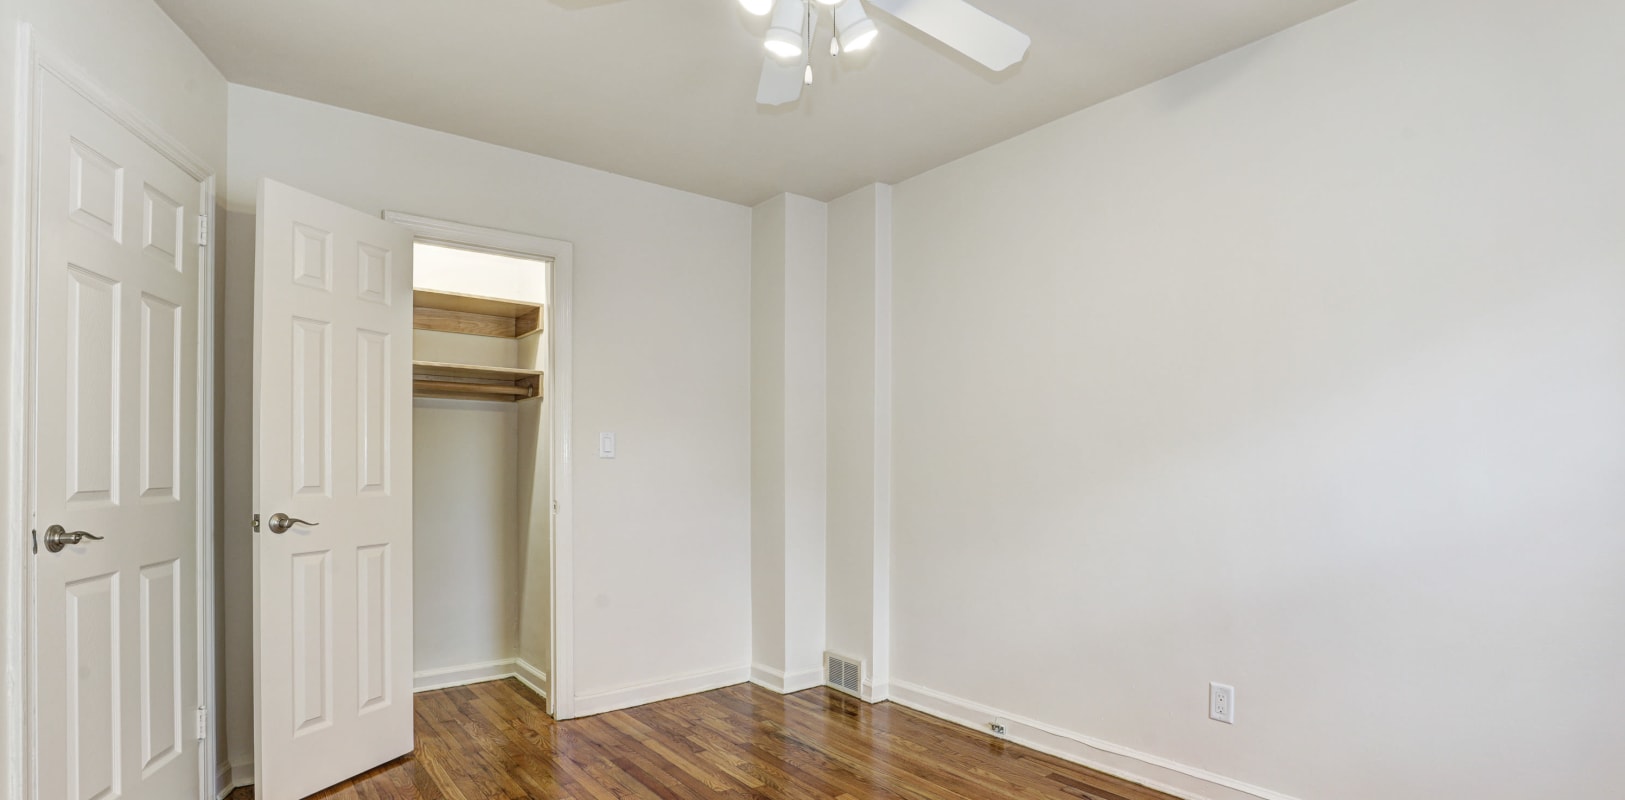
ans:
x=495 y=740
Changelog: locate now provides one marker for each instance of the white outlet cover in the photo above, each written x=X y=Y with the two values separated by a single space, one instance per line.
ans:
x=1221 y=703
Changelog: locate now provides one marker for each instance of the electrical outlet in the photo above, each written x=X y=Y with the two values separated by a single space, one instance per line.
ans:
x=1000 y=728
x=1221 y=703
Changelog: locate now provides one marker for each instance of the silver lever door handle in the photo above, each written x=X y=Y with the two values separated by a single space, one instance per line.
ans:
x=282 y=523
x=58 y=537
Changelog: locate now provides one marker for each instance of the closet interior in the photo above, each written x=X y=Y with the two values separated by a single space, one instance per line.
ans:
x=481 y=456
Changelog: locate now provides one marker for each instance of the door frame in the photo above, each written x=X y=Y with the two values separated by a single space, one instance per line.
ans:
x=557 y=388
x=36 y=59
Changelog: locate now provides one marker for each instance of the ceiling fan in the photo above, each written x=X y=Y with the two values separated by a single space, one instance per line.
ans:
x=793 y=24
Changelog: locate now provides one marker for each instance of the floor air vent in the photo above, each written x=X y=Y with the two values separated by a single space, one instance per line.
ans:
x=843 y=673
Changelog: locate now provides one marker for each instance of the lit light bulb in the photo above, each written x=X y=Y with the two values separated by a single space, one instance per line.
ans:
x=862 y=41
x=808 y=77
x=757 y=7
x=783 y=49
x=853 y=27
x=788 y=29
x=834 y=46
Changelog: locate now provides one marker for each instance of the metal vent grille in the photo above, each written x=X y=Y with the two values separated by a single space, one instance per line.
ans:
x=843 y=673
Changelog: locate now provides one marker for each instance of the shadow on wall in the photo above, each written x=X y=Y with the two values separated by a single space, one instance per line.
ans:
x=535 y=523
x=235 y=659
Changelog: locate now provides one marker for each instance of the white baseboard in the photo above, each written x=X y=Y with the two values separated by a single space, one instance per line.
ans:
x=1155 y=772
x=786 y=683
x=530 y=676
x=222 y=780
x=775 y=681
x=655 y=691
x=236 y=776
x=463 y=675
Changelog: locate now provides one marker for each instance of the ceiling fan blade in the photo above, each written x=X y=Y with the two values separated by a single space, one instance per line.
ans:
x=781 y=82
x=964 y=28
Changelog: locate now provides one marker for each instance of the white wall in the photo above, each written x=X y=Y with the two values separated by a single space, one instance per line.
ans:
x=767 y=419
x=236 y=609
x=449 y=269
x=805 y=442
x=788 y=441
x=1299 y=371
x=132 y=50
x=661 y=358
x=466 y=533
x=859 y=408
x=535 y=651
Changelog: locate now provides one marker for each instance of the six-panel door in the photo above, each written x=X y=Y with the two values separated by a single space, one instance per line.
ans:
x=116 y=457
x=333 y=415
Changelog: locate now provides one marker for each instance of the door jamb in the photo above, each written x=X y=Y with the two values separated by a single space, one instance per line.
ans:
x=35 y=60
x=557 y=388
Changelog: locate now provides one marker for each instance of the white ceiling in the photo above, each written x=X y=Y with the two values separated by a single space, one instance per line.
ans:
x=664 y=90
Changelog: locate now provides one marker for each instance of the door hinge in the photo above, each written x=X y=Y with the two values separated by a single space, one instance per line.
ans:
x=555 y=506
x=202 y=723
x=203 y=229
x=256 y=523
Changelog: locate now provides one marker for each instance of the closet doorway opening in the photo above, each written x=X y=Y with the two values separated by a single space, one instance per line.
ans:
x=491 y=458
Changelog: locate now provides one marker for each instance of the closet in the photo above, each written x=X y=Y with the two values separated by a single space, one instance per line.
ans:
x=481 y=503
x=471 y=315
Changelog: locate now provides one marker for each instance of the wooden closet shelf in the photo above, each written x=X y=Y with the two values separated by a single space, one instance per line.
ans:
x=471 y=382
x=481 y=316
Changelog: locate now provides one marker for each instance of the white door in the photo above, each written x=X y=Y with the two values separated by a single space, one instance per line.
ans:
x=116 y=410
x=333 y=453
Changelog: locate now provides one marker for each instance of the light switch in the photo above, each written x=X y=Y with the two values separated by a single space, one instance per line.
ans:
x=606 y=445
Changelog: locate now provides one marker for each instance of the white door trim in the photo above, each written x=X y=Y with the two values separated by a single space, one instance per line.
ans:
x=35 y=60
x=557 y=389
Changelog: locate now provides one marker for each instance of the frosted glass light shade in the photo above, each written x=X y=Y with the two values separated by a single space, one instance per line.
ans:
x=785 y=49
x=788 y=30
x=853 y=26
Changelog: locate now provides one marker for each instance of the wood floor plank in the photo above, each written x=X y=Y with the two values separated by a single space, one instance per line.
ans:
x=494 y=741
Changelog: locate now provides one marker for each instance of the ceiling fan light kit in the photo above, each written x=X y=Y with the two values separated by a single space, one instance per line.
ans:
x=787 y=32
x=793 y=25
x=853 y=28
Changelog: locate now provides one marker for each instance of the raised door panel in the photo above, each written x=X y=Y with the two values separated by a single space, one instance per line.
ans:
x=372 y=412
x=160 y=674
x=374 y=672
x=311 y=379
x=312 y=257
x=95 y=191
x=92 y=372
x=374 y=273
x=93 y=691
x=312 y=640
x=163 y=228
x=160 y=383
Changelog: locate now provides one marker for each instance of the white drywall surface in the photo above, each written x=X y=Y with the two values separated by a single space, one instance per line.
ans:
x=661 y=302
x=1299 y=371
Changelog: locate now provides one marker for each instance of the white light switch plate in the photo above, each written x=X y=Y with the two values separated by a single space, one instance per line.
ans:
x=606 y=445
